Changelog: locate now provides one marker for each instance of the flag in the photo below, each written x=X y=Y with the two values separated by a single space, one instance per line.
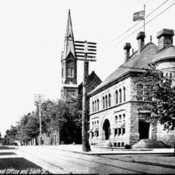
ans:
x=139 y=15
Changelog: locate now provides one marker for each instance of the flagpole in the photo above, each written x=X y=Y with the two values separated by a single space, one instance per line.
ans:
x=144 y=20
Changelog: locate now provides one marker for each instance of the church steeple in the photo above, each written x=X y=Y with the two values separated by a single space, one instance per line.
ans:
x=69 y=38
x=69 y=64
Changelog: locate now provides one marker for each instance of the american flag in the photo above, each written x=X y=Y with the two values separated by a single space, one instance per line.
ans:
x=139 y=15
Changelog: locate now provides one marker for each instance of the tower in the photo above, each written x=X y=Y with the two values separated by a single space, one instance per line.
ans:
x=69 y=64
x=165 y=58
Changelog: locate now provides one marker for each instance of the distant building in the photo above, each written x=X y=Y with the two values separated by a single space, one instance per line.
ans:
x=92 y=82
x=116 y=112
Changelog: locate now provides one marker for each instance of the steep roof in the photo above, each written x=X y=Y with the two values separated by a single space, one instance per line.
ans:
x=167 y=53
x=69 y=39
x=134 y=64
x=92 y=80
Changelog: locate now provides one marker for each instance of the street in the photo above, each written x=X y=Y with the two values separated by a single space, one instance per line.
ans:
x=67 y=162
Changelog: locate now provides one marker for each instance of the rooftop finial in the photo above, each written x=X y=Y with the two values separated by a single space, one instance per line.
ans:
x=150 y=38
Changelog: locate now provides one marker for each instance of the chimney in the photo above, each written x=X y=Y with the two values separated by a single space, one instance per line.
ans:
x=127 y=48
x=141 y=40
x=165 y=38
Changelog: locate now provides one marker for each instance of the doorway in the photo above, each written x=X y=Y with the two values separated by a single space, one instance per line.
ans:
x=144 y=129
x=106 y=128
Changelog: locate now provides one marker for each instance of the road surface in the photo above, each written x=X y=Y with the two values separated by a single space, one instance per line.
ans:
x=66 y=162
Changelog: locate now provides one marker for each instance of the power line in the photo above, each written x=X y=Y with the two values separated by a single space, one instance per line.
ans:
x=146 y=23
x=137 y=23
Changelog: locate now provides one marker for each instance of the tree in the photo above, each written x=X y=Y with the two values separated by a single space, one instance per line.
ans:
x=64 y=118
x=28 y=127
x=10 y=136
x=160 y=97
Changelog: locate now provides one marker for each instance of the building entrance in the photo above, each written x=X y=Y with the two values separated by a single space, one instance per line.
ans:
x=106 y=129
x=144 y=129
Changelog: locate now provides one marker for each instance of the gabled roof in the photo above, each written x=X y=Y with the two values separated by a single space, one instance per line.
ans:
x=167 y=53
x=92 y=80
x=134 y=64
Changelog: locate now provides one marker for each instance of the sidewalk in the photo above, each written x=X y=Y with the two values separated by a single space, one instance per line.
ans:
x=157 y=157
x=98 y=150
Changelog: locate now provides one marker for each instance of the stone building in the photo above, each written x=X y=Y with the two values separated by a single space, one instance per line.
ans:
x=116 y=112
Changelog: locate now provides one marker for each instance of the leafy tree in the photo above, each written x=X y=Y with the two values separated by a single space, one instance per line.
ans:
x=63 y=117
x=160 y=97
x=60 y=116
x=28 y=127
x=10 y=136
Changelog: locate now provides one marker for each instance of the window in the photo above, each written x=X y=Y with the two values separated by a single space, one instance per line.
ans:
x=123 y=130
x=120 y=117
x=97 y=105
x=103 y=102
x=140 y=92
x=120 y=95
x=92 y=106
x=116 y=97
x=124 y=94
x=116 y=118
x=109 y=100
x=106 y=101
x=70 y=72
x=123 y=117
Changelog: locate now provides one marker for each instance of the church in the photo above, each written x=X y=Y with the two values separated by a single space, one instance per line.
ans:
x=116 y=113
x=70 y=88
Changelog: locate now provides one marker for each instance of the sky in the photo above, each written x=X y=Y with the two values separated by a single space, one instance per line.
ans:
x=32 y=38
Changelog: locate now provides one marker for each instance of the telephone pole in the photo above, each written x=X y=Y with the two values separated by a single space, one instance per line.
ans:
x=85 y=51
x=39 y=98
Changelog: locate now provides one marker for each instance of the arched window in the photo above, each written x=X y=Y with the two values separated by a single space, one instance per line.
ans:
x=139 y=92
x=97 y=105
x=92 y=106
x=106 y=101
x=116 y=97
x=124 y=94
x=109 y=100
x=120 y=95
x=103 y=102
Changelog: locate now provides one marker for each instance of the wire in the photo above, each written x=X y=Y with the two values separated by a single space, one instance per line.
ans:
x=137 y=23
x=146 y=23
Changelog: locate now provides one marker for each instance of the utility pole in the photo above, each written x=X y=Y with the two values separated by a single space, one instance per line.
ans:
x=39 y=98
x=85 y=51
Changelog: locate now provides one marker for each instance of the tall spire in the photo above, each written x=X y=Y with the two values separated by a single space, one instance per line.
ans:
x=69 y=30
x=69 y=38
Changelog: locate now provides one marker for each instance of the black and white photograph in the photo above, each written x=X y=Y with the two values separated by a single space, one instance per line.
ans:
x=87 y=87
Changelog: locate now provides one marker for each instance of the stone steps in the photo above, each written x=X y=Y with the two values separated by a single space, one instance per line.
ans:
x=148 y=143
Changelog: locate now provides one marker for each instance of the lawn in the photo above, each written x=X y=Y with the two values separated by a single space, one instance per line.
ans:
x=19 y=166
